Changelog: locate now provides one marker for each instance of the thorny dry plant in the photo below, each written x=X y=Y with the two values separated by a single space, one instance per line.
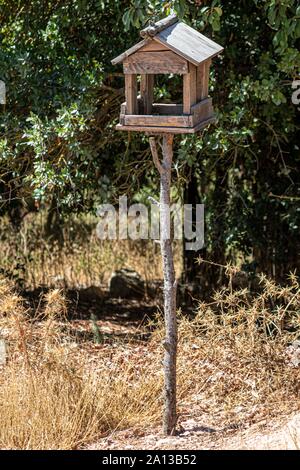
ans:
x=59 y=393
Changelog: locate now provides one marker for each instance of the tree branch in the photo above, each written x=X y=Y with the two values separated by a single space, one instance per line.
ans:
x=155 y=155
x=154 y=201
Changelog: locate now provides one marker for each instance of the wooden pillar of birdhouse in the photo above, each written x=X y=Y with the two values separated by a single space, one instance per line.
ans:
x=131 y=93
x=146 y=91
x=203 y=80
x=189 y=89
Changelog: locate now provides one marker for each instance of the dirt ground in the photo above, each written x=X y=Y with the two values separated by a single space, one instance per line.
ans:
x=283 y=434
x=203 y=423
x=195 y=430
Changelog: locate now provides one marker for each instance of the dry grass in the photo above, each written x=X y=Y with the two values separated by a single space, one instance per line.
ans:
x=56 y=393
x=240 y=357
x=51 y=398
x=83 y=260
x=59 y=407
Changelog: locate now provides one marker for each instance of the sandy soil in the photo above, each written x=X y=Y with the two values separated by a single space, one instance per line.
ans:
x=283 y=433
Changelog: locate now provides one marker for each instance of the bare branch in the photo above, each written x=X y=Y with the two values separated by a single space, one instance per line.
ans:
x=154 y=201
x=160 y=144
x=155 y=157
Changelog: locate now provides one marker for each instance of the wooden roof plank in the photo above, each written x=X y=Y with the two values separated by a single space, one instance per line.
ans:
x=189 y=43
x=181 y=39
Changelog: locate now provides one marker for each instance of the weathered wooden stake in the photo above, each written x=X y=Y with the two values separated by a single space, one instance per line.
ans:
x=170 y=342
x=168 y=46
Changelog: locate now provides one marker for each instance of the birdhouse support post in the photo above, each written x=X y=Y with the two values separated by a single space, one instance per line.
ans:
x=170 y=342
x=169 y=46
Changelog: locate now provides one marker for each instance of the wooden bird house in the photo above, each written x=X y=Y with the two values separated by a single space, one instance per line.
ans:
x=168 y=47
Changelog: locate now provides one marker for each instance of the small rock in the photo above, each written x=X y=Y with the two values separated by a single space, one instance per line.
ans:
x=293 y=354
x=126 y=283
x=167 y=441
x=91 y=293
x=240 y=280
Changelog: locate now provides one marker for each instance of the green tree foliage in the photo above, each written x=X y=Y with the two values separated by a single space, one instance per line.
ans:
x=57 y=140
x=57 y=129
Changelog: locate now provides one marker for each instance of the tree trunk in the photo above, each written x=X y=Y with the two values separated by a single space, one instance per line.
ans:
x=170 y=342
x=201 y=280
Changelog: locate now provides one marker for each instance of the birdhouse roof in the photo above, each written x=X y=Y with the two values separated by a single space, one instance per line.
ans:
x=179 y=38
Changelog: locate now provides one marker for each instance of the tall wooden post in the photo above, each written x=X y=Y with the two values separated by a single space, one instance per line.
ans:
x=168 y=46
x=170 y=342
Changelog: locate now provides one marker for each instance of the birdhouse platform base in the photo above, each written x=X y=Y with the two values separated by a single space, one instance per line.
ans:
x=162 y=119
x=166 y=130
